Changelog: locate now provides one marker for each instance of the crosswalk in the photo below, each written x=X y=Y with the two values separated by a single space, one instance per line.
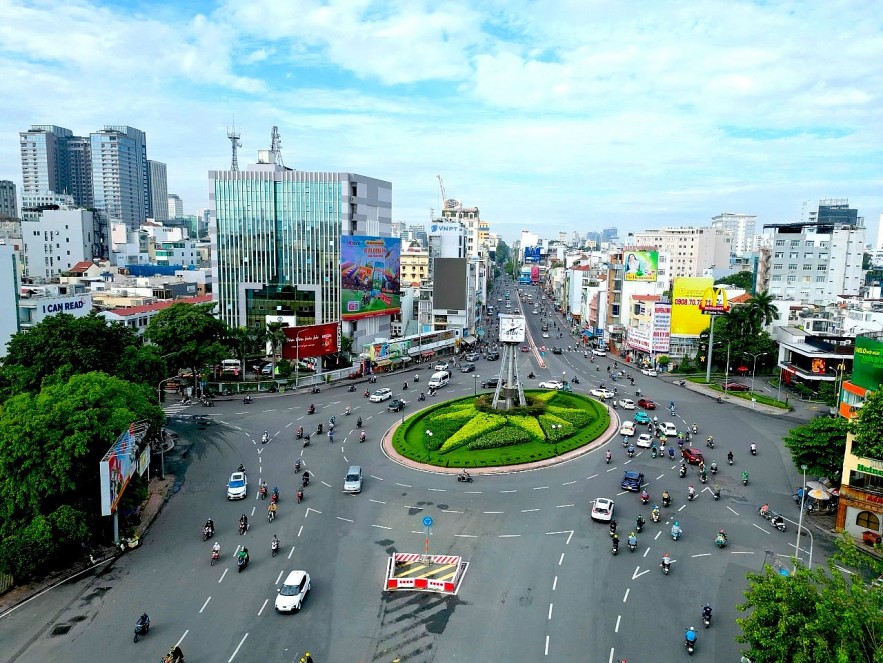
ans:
x=173 y=408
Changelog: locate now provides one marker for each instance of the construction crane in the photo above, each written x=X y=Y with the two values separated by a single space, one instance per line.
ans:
x=441 y=188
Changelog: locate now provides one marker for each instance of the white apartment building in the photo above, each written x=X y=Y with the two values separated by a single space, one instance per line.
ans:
x=59 y=240
x=9 y=289
x=816 y=267
x=415 y=266
x=740 y=227
x=691 y=251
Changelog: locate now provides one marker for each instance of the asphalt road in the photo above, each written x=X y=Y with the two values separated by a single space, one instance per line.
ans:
x=541 y=582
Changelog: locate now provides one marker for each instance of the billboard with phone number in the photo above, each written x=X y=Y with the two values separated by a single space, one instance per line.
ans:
x=311 y=340
x=369 y=276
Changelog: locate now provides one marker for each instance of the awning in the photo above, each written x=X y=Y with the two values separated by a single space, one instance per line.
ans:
x=470 y=340
x=428 y=353
x=382 y=362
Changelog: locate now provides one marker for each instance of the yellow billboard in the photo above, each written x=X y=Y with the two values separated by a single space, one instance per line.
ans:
x=686 y=295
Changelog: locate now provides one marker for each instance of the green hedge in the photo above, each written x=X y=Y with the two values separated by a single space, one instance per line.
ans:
x=577 y=418
x=475 y=427
x=502 y=437
x=529 y=424
x=556 y=434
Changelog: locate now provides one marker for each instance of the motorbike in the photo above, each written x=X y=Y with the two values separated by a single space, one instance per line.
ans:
x=717 y=494
x=216 y=555
x=311 y=409
x=366 y=394
x=297 y=466
x=710 y=443
x=695 y=429
x=676 y=533
x=314 y=390
x=300 y=495
x=361 y=437
x=720 y=540
x=207 y=402
x=631 y=452
x=319 y=429
x=306 y=440
x=654 y=516
x=421 y=397
x=575 y=380
x=464 y=476
x=531 y=376
x=271 y=515
x=633 y=545
x=639 y=525
x=243 y=528
x=690 y=645
x=141 y=629
x=275 y=496
x=347 y=412
x=666 y=568
x=666 y=500
x=714 y=467
x=691 y=496
x=263 y=491
x=241 y=563
x=706 y=617
x=352 y=388
x=681 y=383
x=305 y=480
x=683 y=471
x=246 y=400
x=775 y=519
x=744 y=478
x=645 y=497
x=607 y=457
x=274 y=546
x=300 y=433
x=207 y=533
x=614 y=549
x=753 y=450
x=730 y=458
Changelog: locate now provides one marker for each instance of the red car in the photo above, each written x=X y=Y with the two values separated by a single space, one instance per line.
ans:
x=525 y=348
x=734 y=386
x=692 y=455
x=646 y=403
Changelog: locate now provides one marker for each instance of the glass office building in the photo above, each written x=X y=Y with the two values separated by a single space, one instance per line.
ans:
x=275 y=235
x=119 y=174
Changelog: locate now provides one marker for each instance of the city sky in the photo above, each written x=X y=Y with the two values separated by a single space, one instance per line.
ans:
x=552 y=115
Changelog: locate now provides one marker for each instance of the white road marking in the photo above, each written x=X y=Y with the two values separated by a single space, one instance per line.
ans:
x=508 y=536
x=327 y=485
x=659 y=477
x=568 y=483
x=546 y=652
x=181 y=639
x=616 y=628
x=491 y=512
x=733 y=511
x=222 y=575
x=657 y=535
x=562 y=506
x=646 y=552
x=555 y=583
x=765 y=531
x=591 y=477
x=467 y=536
x=449 y=511
x=472 y=492
x=622 y=492
x=626 y=597
x=610 y=658
x=252 y=510
x=683 y=506
x=541 y=488
x=236 y=651
x=438 y=490
x=638 y=573
x=528 y=510
x=549 y=618
x=381 y=526
x=610 y=470
x=376 y=501
x=741 y=552
x=344 y=519
x=561 y=559
x=374 y=477
x=628 y=461
x=307 y=512
x=205 y=604
x=419 y=508
x=404 y=485
x=300 y=531
x=263 y=606
x=291 y=423
x=701 y=555
x=508 y=491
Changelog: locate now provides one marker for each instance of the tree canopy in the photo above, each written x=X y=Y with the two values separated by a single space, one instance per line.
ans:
x=868 y=428
x=190 y=334
x=50 y=445
x=63 y=345
x=821 y=615
x=819 y=444
x=743 y=280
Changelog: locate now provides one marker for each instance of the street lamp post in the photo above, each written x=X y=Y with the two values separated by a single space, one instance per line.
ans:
x=162 y=441
x=555 y=428
x=753 y=364
x=475 y=385
x=800 y=519
x=428 y=443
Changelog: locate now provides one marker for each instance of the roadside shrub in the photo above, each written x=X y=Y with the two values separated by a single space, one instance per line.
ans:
x=479 y=425
x=529 y=424
x=556 y=434
x=443 y=426
x=577 y=418
x=535 y=405
x=547 y=396
x=503 y=437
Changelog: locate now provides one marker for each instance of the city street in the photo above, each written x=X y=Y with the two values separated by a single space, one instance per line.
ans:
x=541 y=581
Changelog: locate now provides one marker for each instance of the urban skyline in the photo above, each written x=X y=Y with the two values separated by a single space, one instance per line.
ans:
x=544 y=119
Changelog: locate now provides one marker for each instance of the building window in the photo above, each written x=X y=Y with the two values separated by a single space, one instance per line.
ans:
x=806 y=268
x=792 y=267
x=821 y=268
x=808 y=255
x=779 y=254
x=777 y=265
x=792 y=278
x=867 y=520
x=795 y=243
x=820 y=279
x=794 y=255
x=823 y=256
x=777 y=278
x=780 y=242
x=808 y=242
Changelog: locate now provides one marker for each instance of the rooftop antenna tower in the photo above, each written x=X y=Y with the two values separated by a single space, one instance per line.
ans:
x=276 y=146
x=235 y=144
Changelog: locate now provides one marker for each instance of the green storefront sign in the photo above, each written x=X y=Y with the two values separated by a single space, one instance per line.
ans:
x=870 y=470
x=867 y=365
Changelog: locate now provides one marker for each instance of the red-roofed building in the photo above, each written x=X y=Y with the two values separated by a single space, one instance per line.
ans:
x=138 y=317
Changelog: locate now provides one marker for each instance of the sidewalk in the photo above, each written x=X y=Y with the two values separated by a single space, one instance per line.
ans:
x=158 y=491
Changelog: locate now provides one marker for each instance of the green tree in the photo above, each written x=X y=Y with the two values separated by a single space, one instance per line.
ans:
x=50 y=445
x=247 y=342
x=812 y=616
x=819 y=444
x=743 y=280
x=761 y=310
x=60 y=346
x=868 y=428
x=276 y=337
x=191 y=335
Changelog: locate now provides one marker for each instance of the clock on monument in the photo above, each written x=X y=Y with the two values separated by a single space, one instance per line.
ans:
x=512 y=328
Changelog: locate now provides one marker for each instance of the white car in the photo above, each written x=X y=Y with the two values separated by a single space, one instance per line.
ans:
x=237 y=487
x=551 y=384
x=380 y=395
x=645 y=441
x=602 y=393
x=441 y=366
x=602 y=509
x=627 y=404
x=599 y=353
x=669 y=429
x=545 y=334
x=649 y=371
x=627 y=428
x=293 y=592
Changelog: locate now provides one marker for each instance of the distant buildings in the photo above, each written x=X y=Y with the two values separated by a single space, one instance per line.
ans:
x=8 y=202
x=692 y=251
x=60 y=239
x=175 y=206
x=120 y=175
x=158 y=191
x=741 y=227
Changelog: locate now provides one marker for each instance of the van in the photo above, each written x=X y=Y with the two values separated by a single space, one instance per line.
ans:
x=352 y=482
x=439 y=379
x=231 y=367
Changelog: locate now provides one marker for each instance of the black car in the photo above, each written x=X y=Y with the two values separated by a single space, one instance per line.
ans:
x=395 y=405
x=468 y=368
x=493 y=355
x=490 y=383
x=632 y=481
x=556 y=350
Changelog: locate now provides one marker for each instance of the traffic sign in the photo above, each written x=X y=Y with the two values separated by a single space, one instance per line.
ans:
x=427 y=521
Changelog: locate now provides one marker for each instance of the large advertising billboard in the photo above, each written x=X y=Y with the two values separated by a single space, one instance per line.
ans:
x=118 y=466
x=641 y=265
x=524 y=276
x=686 y=295
x=867 y=364
x=661 y=327
x=311 y=340
x=531 y=254
x=389 y=350
x=369 y=276
x=534 y=274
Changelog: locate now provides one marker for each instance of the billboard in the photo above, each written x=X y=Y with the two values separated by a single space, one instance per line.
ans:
x=369 y=276
x=714 y=301
x=524 y=276
x=534 y=274
x=641 y=265
x=661 y=327
x=311 y=340
x=686 y=295
x=118 y=466
x=531 y=254
x=389 y=350
x=867 y=363
x=449 y=283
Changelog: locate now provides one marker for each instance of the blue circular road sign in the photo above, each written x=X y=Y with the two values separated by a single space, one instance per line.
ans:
x=427 y=521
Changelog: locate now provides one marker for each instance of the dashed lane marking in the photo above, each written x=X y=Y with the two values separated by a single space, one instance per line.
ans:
x=732 y=510
x=381 y=526
x=419 y=508
x=762 y=529
x=347 y=520
x=563 y=506
x=508 y=536
x=206 y=603
x=374 y=477
x=626 y=597
x=568 y=483
x=466 y=536
x=492 y=512
x=404 y=485
x=541 y=488
x=376 y=501
x=528 y=510
x=701 y=555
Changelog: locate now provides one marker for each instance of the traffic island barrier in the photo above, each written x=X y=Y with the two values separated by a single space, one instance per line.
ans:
x=439 y=574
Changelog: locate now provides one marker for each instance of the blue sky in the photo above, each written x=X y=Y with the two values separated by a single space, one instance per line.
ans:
x=553 y=115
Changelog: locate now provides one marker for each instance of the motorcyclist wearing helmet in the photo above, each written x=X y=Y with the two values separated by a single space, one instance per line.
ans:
x=690 y=635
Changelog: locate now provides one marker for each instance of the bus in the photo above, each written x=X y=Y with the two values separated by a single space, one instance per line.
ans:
x=231 y=367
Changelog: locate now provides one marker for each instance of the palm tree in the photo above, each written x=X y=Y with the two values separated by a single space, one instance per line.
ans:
x=276 y=337
x=761 y=310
